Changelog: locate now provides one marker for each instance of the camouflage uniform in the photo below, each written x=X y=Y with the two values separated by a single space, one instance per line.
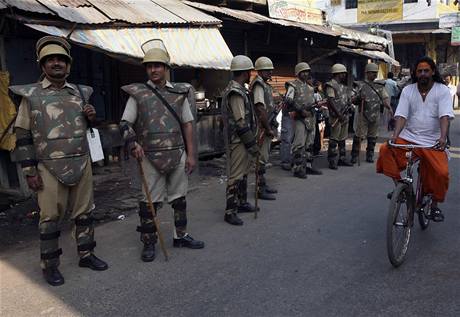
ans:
x=300 y=97
x=149 y=123
x=262 y=92
x=241 y=127
x=51 y=132
x=368 y=117
x=339 y=132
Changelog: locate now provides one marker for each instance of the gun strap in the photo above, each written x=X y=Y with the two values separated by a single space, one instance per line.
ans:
x=380 y=97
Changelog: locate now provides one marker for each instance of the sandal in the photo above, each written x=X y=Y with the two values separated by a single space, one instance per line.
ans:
x=436 y=215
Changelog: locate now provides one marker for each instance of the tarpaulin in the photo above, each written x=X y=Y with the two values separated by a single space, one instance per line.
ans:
x=7 y=114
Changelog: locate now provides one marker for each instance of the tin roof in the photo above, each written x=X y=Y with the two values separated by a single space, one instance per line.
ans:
x=187 y=47
x=252 y=17
x=76 y=12
x=359 y=36
x=370 y=54
x=27 y=5
x=107 y=11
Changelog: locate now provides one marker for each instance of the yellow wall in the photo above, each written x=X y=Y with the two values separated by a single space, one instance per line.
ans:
x=441 y=8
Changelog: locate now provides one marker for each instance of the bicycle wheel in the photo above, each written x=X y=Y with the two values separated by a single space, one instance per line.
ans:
x=398 y=224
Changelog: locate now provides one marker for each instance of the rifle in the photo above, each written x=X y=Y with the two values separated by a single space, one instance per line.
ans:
x=360 y=118
x=256 y=194
x=152 y=210
x=344 y=111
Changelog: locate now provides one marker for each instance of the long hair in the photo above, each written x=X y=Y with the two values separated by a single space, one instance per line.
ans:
x=436 y=76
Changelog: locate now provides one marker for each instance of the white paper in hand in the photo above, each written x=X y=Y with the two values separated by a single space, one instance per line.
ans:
x=95 y=145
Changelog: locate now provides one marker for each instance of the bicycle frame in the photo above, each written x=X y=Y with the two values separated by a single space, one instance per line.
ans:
x=416 y=200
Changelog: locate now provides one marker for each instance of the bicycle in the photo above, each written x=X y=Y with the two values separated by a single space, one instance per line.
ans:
x=402 y=219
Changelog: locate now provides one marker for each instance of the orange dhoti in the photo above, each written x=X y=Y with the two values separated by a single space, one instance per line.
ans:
x=434 y=168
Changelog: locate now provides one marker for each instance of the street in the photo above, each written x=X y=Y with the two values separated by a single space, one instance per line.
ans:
x=318 y=250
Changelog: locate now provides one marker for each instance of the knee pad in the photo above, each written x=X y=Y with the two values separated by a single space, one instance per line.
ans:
x=179 y=204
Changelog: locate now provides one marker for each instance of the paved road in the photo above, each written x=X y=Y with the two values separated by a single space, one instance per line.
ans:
x=319 y=250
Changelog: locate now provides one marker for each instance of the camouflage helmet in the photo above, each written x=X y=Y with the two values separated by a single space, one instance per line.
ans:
x=371 y=68
x=241 y=63
x=155 y=52
x=264 y=63
x=300 y=67
x=338 y=68
x=52 y=45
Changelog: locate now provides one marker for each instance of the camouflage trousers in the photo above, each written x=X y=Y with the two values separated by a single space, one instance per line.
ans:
x=54 y=200
x=365 y=129
x=239 y=166
x=302 y=145
x=287 y=131
x=337 y=138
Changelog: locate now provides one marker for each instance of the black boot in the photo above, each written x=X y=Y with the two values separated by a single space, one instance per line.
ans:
x=188 y=242
x=148 y=252
x=243 y=204
x=311 y=170
x=264 y=194
x=93 y=262
x=246 y=207
x=370 y=157
x=300 y=174
x=344 y=162
x=270 y=190
x=355 y=149
x=332 y=165
x=233 y=219
x=371 y=141
x=263 y=182
x=53 y=276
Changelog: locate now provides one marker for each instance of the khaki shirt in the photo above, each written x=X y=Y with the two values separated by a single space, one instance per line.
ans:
x=130 y=113
x=24 y=116
x=237 y=108
x=330 y=92
x=290 y=94
x=258 y=94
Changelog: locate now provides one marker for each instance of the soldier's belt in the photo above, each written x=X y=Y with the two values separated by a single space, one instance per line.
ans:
x=162 y=148
x=47 y=158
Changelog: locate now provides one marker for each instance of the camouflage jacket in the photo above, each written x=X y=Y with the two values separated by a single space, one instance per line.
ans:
x=303 y=101
x=341 y=98
x=373 y=99
x=268 y=93
x=156 y=129
x=235 y=88
x=58 y=128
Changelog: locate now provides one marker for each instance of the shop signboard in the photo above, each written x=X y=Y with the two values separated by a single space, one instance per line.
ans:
x=379 y=11
x=446 y=21
x=303 y=11
x=455 y=37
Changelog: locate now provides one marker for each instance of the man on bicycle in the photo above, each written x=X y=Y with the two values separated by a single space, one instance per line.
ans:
x=422 y=118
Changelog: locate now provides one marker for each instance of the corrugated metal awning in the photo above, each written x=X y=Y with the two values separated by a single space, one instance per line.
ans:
x=188 y=47
x=423 y=31
x=251 y=17
x=360 y=36
x=162 y=12
x=370 y=54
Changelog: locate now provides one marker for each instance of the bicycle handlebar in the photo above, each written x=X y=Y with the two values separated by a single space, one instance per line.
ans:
x=410 y=146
